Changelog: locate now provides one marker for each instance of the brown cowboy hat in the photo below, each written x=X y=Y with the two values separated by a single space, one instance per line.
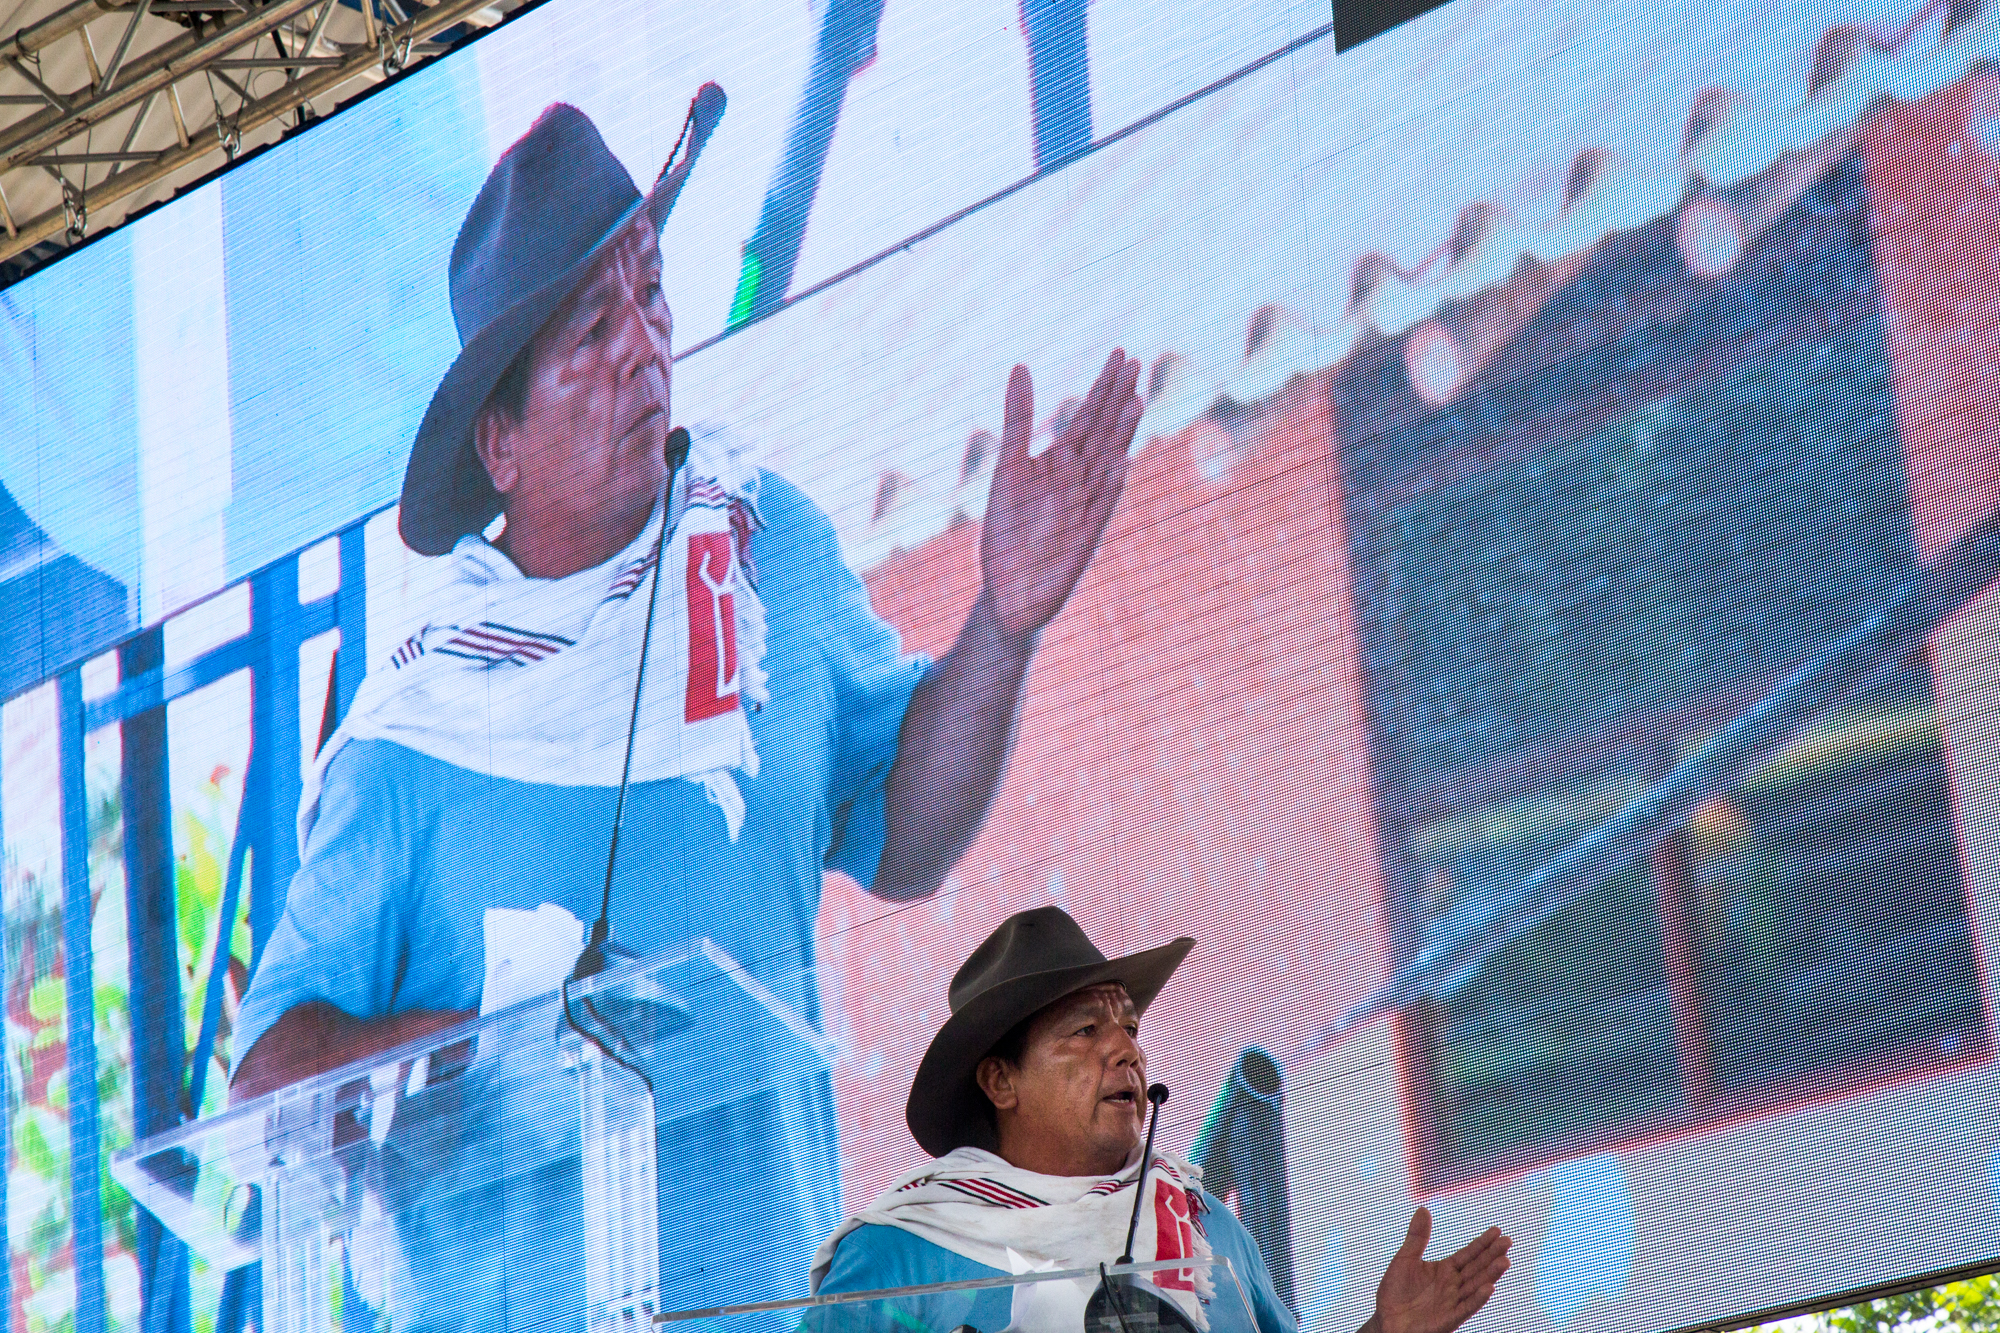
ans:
x=1034 y=959
x=548 y=209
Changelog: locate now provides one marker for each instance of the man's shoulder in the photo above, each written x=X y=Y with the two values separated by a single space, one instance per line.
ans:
x=784 y=507
x=797 y=551
x=1219 y=1215
x=1210 y=1203
x=1224 y=1228
x=366 y=761
x=377 y=786
x=777 y=488
x=874 y=1256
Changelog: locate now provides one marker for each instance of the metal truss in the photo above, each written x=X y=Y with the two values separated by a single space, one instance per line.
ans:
x=109 y=105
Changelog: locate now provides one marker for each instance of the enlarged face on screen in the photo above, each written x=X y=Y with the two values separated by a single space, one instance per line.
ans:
x=579 y=468
x=1074 y=1096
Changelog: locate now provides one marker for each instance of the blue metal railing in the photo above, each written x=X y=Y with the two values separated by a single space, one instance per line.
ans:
x=169 y=1081
x=79 y=976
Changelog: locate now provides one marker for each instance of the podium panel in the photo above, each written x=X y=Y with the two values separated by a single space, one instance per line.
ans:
x=519 y=1149
x=1161 y=1296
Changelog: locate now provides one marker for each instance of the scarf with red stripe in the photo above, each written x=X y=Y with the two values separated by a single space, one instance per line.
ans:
x=531 y=679
x=975 y=1204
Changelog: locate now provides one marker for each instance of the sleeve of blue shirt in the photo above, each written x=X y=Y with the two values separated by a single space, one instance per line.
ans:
x=342 y=937
x=873 y=677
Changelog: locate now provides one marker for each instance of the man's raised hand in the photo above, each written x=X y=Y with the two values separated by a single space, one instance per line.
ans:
x=1420 y=1295
x=1046 y=513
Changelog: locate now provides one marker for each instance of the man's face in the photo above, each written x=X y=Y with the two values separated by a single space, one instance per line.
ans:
x=1077 y=1098
x=586 y=461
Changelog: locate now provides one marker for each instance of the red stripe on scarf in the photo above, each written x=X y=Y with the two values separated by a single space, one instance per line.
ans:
x=992 y=1191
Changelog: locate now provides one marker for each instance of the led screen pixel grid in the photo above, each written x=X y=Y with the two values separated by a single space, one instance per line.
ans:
x=1541 y=654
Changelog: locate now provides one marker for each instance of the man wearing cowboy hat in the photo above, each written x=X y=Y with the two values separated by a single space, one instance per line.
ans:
x=1032 y=1098
x=465 y=805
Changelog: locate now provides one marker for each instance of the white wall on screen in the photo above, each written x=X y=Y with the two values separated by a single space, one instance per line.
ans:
x=181 y=349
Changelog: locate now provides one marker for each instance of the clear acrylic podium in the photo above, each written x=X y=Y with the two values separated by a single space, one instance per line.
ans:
x=318 y=1181
x=1046 y=1302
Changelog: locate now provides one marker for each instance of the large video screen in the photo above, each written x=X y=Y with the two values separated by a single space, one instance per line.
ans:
x=1538 y=642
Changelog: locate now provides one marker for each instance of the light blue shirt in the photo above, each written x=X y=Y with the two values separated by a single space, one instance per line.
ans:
x=874 y=1257
x=387 y=915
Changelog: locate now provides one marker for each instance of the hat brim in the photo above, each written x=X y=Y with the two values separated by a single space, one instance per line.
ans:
x=446 y=492
x=946 y=1108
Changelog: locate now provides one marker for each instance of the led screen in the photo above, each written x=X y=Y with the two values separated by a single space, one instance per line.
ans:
x=1541 y=652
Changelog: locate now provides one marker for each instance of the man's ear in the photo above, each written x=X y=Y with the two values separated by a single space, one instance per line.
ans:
x=494 y=443
x=995 y=1078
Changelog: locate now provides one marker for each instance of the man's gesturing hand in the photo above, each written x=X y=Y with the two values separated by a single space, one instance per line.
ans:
x=1420 y=1295
x=1045 y=514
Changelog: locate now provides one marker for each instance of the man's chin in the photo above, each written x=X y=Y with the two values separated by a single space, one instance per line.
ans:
x=647 y=437
x=634 y=481
x=1123 y=1131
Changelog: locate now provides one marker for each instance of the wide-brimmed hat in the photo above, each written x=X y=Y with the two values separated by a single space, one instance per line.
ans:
x=550 y=206
x=1034 y=959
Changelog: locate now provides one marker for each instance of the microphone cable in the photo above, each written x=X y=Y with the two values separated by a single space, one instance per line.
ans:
x=596 y=956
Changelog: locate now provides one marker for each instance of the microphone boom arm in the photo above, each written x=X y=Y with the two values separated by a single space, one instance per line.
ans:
x=1157 y=1095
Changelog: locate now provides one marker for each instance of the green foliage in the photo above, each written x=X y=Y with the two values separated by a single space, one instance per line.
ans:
x=45 y=999
x=121 y=1212
x=33 y=1146
x=37 y=1036
x=1971 y=1306
x=201 y=847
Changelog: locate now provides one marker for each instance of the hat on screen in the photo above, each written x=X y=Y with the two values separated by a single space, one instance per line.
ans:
x=548 y=209
x=1034 y=959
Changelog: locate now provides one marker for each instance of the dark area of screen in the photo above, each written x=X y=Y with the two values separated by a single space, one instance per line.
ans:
x=53 y=607
x=1671 y=492
x=1355 y=21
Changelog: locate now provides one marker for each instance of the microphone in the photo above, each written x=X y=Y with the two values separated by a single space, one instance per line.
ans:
x=1124 y=1303
x=678 y=444
x=1157 y=1095
x=598 y=952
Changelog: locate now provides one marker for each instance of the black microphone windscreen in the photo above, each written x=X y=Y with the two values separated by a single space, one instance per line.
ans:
x=677 y=447
x=1157 y=1094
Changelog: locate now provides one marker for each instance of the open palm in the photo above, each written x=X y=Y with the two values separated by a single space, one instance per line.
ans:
x=1046 y=511
x=1419 y=1295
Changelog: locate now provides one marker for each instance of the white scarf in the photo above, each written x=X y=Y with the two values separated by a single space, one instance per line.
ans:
x=531 y=679
x=974 y=1204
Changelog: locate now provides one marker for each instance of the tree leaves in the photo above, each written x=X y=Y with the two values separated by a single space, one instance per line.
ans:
x=1971 y=1306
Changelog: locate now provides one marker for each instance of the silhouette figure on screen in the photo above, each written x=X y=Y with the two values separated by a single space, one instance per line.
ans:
x=1031 y=1096
x=780 y=731
x=1241 y=1151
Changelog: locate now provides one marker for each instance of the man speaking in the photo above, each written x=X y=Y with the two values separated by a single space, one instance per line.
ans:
x=469 y=797
x=1032 y=1097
